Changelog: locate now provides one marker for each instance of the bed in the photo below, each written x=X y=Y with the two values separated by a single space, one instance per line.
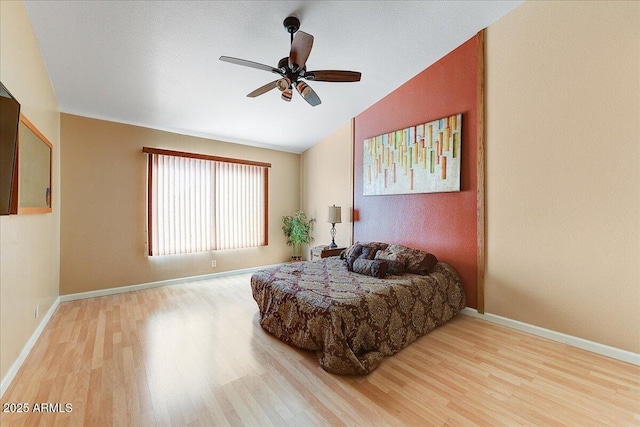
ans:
x=353 y=320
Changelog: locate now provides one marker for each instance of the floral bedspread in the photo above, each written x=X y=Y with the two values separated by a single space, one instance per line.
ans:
x=353 y=321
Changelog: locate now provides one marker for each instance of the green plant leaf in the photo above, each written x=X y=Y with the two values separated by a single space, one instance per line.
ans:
x=297 y=229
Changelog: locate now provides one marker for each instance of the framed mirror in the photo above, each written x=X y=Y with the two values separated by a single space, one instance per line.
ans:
x=34 y=169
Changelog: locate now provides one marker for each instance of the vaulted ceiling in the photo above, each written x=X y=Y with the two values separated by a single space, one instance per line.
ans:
x=155 y=63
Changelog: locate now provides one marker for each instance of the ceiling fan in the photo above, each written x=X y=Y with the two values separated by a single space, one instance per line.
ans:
x=293 y=69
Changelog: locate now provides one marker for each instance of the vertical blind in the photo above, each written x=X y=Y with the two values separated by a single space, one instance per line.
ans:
x=203 y=203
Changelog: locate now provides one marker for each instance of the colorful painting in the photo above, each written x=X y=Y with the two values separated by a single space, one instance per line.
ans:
x=419 y=159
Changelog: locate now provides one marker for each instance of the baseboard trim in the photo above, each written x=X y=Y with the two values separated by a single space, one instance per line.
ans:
x=594 y=347
x=15 y=366
x=133 y=288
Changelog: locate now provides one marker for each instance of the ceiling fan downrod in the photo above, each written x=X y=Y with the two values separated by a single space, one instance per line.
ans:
x=291 y=24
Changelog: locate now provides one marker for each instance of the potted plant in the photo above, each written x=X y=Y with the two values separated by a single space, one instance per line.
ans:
x=297 y=228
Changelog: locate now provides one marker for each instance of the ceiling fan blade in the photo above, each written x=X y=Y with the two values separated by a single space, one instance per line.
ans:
x=333 y=76
x=251 y=64
x=308 y=94
x=263 y=89
x=300 y=50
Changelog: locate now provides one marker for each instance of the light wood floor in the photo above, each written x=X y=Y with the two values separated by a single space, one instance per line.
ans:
x=195 y=355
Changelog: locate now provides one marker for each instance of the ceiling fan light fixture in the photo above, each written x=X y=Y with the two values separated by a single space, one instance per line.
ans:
x=287 y=94
x=304 y=89
x=283 y=84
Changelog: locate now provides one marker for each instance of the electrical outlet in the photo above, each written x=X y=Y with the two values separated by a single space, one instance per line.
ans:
x=214 y=264
x=37 y=310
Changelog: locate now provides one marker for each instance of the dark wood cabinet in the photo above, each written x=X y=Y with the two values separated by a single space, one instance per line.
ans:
x=319 y=252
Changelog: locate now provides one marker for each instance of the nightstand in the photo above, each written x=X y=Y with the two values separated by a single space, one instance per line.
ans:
x=319 y=252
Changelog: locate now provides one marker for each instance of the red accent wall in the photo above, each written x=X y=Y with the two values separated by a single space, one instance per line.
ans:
x=444 y=224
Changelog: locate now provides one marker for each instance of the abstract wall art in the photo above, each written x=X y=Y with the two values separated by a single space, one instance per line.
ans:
x=418 y=159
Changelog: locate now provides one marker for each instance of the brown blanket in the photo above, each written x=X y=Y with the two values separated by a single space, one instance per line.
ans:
x=353 y=321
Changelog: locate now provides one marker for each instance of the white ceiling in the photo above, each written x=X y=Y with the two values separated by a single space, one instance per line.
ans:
x=155 y=63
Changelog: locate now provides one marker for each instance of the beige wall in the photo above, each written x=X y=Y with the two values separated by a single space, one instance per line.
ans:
x=327 y=176
x=103 y=222
x=29 y=244
x=563 y=177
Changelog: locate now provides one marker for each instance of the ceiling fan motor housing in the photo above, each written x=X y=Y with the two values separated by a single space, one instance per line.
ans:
x=283 y=66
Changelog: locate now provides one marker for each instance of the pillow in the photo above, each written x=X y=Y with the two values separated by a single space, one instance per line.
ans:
x=368 y=252
x=370 y=267
x=414 y=260
x=356 y=253
x=374 y=247
x=352 y=254
x=396 y=268
x=352 y=251
x=420 y=262
x=393 y=253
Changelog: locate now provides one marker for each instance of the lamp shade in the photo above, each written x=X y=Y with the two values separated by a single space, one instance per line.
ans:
x=335 y=216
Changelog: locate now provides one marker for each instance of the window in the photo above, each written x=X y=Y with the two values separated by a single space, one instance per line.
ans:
x=200 y=203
